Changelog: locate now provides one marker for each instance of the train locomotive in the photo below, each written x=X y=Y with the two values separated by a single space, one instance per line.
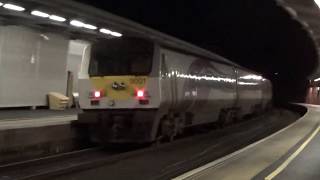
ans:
x=135 y=90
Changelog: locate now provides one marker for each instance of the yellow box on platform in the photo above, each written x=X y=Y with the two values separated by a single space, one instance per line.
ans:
x=57 y=101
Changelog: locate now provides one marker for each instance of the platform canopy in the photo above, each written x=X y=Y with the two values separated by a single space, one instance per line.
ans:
x=306 y=12
x=80 y=21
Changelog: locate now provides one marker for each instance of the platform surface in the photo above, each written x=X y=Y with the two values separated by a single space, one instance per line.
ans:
x=306 y=165
x=25 y=118
x=292 y=153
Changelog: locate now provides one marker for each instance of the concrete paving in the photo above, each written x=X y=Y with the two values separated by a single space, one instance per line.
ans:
x=14 y=114
x=257 y=161
x=27 y=134
x=25 y=118
x=306 y=165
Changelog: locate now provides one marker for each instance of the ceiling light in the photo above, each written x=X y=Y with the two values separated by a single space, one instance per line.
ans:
x=1 y=3
x=40 y=14
x=77 y=23
x=116 y=34
x=89 y=26
x=57 y=18
x=13 y=7
x=317 y=2
x=316 y=80
x=105 y=31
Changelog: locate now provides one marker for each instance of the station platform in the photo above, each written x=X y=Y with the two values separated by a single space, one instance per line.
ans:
x=27 y=134
x=291 y=153
x=26 y=118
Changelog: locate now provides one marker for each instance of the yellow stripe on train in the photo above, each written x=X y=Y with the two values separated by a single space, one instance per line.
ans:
x=131 y=85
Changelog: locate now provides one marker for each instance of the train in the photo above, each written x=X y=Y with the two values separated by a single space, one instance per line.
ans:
x=138 y=90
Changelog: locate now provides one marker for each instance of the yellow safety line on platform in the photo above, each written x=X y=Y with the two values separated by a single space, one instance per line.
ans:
x=294 y=155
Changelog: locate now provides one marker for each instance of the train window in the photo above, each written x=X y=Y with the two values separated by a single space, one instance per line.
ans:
x=125 y=56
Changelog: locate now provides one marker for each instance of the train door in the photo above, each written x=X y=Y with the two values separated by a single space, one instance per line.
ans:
x=168 y=89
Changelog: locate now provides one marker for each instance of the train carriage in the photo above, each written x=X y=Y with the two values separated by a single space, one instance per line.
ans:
x=138 y=90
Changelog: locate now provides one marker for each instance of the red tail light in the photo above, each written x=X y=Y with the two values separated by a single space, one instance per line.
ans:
x=142 y=96
x=97 y=94
x=140 y=93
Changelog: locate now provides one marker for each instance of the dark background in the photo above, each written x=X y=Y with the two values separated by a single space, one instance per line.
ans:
x=257 y=34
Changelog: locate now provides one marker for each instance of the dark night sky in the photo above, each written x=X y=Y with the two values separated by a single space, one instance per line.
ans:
x=257 y=34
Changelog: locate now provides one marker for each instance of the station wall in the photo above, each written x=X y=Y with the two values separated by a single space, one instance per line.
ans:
x=32 y=64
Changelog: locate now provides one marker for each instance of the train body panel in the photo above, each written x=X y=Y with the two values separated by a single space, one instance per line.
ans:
x=155 y=91
x=196 y=86
x=250 y=92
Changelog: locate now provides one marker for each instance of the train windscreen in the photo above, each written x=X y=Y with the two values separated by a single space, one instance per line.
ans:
x=125 y=56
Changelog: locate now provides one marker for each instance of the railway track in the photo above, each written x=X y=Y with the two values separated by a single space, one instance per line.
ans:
x=51 y=166
x=73 y=162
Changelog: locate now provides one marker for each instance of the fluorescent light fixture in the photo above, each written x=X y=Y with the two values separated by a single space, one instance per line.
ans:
x=57 y=18
x=45 y=37
x=77 y=23
x=316 y=80
x=317 y=2
x=13 y=7
x=75 y=94
x=89 y=26
x=105 y=31
x=1 y=3
x=116 y=34
x=40 y=14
